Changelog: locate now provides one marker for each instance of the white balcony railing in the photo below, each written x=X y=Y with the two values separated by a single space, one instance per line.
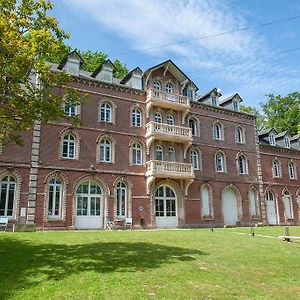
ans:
x=170 y=131
x=169 y=169
x=164 y=96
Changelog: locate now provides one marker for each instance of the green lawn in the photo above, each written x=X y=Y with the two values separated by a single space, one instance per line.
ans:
x=159 y=264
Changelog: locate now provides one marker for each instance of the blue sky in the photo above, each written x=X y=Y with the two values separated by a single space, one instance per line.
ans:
x=252 y=62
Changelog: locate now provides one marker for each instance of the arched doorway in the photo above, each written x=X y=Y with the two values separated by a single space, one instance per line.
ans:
x=166 y=207
x=89 y=206
x=271 y=208
x=230 y=206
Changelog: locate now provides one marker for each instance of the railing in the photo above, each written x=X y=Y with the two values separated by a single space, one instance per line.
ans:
x=171 y=169
x=173 y=130
x=162 y=95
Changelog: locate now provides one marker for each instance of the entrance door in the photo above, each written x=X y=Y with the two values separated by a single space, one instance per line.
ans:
x=230 y=209
x=166 y=207
x=271 y=208
x=89 y=206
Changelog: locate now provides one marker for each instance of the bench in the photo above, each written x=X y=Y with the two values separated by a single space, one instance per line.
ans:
x=3 y=223
x=288 y=238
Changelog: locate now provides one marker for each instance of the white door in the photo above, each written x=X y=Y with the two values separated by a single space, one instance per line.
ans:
x=271 y=211
x=89 y=203
x=230 y=209
x=166 y=207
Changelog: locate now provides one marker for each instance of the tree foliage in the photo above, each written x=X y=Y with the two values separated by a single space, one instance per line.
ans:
x=260 y=120
x=28 y=39
x=283 y=113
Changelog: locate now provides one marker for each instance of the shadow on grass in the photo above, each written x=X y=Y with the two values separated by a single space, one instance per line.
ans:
x=23 y=263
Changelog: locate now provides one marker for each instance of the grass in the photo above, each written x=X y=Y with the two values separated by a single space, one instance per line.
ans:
x=158 y=264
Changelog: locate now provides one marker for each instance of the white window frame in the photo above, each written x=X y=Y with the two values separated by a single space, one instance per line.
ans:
x=70 y=111
x=287 y=143
x=218 y=134
x=195 y=159
x=159 y=153
x=157 y=117
x=292 y=170
x=276 y=168
x=8 y=181
x=242 y=165
x=239 y=135
x=57 y=187
x=169 y=88
x=106 y=112
x=172 y=154
x=136 y=118
x=121 y=196
x=193 y=126
x=220 y=162
x=170 y=120
x=137 y=154
x=287 y=204
x=69 y=142
x=272 y=139
x=105 y=146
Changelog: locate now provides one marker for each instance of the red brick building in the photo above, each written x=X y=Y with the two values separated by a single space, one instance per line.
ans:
x=149 y=150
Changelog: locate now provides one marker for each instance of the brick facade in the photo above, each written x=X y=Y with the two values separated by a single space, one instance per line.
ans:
x=40 y=160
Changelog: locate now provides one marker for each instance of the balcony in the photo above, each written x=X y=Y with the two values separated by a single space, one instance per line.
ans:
x=168 y=169
x=167 y=100
x=170 y=133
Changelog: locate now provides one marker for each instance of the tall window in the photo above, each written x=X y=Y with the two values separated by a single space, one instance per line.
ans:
x=159 y=152
x=136 y=117
x=172 y=154
x=217 y=131
x=170 y=120
x=169 y=88
x=287 y=142
x=70 y=110
x=157 y=88
x=106 y=112
x=69 y=147
x=54 y=198
x=242 y=165
x=7 y=196
x=195 y=159
x=105 y=150
x=276 y=168
x=239 y=135
x=235 y=105
x=157 y=118
x=121 y=200
x=292 y=170
x=272 y=139
x=193 y=126
x=220 y=164
x=287 y=202
x=137 y=154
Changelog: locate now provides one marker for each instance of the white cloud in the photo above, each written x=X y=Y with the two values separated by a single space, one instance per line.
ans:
x=150 y=23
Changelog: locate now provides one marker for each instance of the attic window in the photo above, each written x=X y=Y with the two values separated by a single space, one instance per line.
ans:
x=72 y=67
x=235 y=105
x=287 y=142
x=272 y=139
x=214 y=101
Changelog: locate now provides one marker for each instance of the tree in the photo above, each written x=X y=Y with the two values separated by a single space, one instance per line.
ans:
x=28 y=39
x=283 y=113
x=260 y=120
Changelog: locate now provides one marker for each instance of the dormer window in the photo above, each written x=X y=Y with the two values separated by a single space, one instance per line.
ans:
x=72 y=66
x=272 y=139
x=235 y=105
x=214 y=101
x=287 y=142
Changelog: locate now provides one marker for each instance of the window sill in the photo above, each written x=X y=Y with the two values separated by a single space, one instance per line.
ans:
x=55 y=219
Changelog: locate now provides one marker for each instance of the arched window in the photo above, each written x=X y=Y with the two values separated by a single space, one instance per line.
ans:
x=220 y=162
x=137 y=154
x=292 y=170
x=242 y=164
x=239 y=135
x=105 y=150
x=206 y=205
x=7 y=196
x=54 y=198
x=217 y=131
x=122 y=200
x=252 y=197
x=193 y=126
x=276 y=168
x=157 y=88
x=159 y=153
x=106 y=112
x=169 y=88
x=69 y=147
x=136 y=117
x=170 y=120
x=287 y=202
x=157 y=117
x=172 y=154
x=195 y=159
